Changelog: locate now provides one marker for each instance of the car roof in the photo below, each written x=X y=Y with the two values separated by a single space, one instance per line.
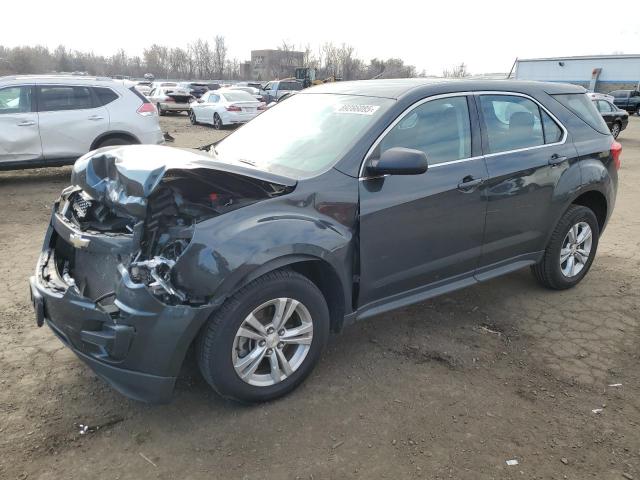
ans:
x=59 y=79
x=397 y=87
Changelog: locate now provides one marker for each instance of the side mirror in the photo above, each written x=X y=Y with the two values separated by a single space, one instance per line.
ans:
x=399 y=161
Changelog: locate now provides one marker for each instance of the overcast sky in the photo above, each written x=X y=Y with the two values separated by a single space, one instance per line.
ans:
x=486 y=35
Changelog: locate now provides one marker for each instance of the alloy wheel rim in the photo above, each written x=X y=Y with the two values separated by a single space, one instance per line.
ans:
x=616 y=130
x=576 y=249
x=272 y=342
x=216 y=123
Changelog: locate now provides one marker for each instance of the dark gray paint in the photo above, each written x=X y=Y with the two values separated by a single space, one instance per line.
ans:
x=389 y=241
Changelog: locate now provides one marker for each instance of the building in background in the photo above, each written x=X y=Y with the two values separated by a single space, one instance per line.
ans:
x=272 y=64
x=598 y=73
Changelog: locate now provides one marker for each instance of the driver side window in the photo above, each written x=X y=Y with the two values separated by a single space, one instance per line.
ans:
x=440 y=128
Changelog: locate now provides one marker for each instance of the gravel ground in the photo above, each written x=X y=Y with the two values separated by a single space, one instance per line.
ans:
x=449 y=388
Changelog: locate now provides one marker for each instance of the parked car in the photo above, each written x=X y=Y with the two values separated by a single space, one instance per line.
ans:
x=53 y=120
x=600 y=96
x=170 y=99
x=615 y=118
x=380 y=194
x=194 y=88
x=254 y=92
x=628 y=100
x=273 y=90
x=144 y=87
x=225 y=107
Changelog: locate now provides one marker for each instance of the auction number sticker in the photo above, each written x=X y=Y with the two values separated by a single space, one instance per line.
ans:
x=358 y=109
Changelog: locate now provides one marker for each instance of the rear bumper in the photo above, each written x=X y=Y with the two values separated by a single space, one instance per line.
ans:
x=137 y=344
x=176 y=107
x=238 y=117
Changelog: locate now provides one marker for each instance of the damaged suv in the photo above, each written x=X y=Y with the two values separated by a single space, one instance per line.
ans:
x=381 y=194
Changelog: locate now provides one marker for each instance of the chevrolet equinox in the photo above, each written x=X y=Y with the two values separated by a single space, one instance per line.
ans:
x=346 y=201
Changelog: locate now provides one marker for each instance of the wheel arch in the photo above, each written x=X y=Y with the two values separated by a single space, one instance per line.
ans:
x=319 y=271
x=596 y=201
x=114 y=134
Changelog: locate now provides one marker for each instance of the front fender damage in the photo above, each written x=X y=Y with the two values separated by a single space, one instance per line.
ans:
x=149 y=201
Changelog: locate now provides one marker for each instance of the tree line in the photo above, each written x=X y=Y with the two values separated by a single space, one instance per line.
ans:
x=201 y=59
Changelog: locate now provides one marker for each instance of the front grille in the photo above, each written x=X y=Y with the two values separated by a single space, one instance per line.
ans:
x=95 y=274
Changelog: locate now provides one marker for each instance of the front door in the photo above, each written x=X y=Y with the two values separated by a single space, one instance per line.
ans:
x=19 y=135
x=419 y=232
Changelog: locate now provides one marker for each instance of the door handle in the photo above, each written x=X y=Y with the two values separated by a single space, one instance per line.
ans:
x=96 y=117
x=469 y=183
x=26 y=123
x=556 y=159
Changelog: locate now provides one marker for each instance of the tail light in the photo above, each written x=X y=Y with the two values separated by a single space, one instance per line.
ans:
x=170 y=100
x=233 y=108
x=146 y=109
x=262 y=106
x=616 y=151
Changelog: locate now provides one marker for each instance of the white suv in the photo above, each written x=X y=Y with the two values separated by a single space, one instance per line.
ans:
x=53 y=120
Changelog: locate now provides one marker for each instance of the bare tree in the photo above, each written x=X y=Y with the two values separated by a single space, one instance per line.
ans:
x=219 y=56
x=458 y=71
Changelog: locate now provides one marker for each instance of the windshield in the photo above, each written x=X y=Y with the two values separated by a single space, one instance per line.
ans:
x=304 y=136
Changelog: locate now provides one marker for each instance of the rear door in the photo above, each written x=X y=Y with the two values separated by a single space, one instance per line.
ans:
x=419 y=232
x=526 y=151
x=70 y=120
x=621 y=98
x=19 y=135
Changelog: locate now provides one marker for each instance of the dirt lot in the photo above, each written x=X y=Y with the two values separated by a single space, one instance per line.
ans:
x=450 y=388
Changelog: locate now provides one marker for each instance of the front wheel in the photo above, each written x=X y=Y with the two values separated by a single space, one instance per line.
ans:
x=192 y=118
x=265 y=339
x=570 y=251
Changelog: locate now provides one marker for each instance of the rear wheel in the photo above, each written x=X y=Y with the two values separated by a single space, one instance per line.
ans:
x=570 y=251
x=161 y=112
x=217 y=122
x=109 y=142
x=616 y=129
x=638 y=110
x=265 y=340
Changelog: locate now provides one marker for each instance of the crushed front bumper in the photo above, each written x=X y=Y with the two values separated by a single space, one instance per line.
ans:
x=137 y=343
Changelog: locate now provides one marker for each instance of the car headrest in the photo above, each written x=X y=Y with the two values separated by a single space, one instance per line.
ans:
x=521 y=120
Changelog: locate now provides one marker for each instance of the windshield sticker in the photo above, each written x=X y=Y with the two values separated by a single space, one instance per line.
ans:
x=358 y=109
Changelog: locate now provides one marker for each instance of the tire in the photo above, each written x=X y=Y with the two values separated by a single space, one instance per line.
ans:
x=113 y=141
x=616 y=128
x=161 y=112
x=221 y=348
x=638 y=110
x=217 y=122
x=192 y=118
x=551 y=271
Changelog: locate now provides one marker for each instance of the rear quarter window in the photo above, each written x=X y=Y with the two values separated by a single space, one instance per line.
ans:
x=105 y=95
x=581 y=106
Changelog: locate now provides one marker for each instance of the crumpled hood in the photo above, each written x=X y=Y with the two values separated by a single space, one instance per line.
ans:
x=124 y=177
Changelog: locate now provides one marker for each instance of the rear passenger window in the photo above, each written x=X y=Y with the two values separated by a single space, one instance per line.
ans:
x=511 y=122
x=63 y=97
x=552 y=132
x=105 y=95
x=440 y=128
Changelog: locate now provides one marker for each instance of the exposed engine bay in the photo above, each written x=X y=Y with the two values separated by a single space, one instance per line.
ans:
x=150 y=216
